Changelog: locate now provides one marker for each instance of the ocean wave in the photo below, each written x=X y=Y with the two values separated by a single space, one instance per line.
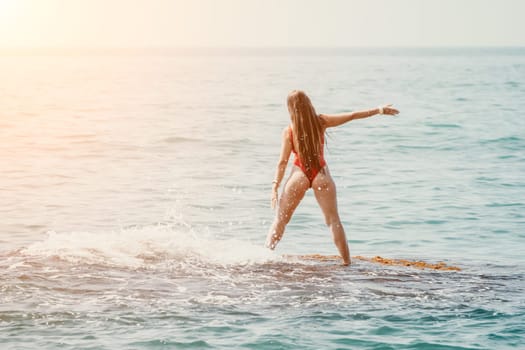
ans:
x=180 y=139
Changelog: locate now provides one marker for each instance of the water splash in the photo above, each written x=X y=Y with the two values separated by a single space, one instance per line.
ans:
x=146 y=246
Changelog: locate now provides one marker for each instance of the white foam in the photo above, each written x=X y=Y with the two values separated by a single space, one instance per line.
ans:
x=138 y=247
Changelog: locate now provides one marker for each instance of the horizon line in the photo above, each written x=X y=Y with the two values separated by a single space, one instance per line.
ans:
x=164 y=47
x=267 y=51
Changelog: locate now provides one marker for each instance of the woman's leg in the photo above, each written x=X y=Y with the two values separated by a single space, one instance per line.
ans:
x=325 y=192
x=293 y=192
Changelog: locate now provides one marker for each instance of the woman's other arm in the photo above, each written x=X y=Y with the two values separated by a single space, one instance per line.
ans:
x=332 y=120
x=286 y=149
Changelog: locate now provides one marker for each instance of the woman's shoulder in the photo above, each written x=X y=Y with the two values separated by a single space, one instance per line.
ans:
x=287 y=136
x=288 y=128
x=322 y=121
x=286 y=131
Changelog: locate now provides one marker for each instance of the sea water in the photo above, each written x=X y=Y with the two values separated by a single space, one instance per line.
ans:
x=135 y=194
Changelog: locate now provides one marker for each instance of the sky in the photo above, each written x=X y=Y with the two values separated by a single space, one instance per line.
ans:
x=261 y=23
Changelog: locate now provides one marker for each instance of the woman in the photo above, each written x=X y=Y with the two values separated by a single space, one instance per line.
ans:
x=305 y=138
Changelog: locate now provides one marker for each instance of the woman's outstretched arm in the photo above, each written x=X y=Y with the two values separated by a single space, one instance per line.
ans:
x=332 y=120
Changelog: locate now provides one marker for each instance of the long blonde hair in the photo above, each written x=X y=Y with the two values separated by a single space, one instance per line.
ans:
x=307 y=130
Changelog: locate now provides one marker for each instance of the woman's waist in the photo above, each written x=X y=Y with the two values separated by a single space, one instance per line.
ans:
x=297 y=161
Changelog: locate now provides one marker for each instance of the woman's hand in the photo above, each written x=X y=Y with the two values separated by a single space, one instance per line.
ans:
x=275 y=196
x=389 y=110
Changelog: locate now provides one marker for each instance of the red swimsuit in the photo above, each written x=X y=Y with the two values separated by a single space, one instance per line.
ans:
x=313 y=173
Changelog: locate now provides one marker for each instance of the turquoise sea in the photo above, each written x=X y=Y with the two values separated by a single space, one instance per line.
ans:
x=135 y=200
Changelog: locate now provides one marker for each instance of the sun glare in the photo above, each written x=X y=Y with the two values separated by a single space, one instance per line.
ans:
x=11 y=20
x=9 y=10
x=7 y=7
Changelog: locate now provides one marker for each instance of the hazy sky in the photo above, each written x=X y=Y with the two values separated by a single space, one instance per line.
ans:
x=130 y=23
